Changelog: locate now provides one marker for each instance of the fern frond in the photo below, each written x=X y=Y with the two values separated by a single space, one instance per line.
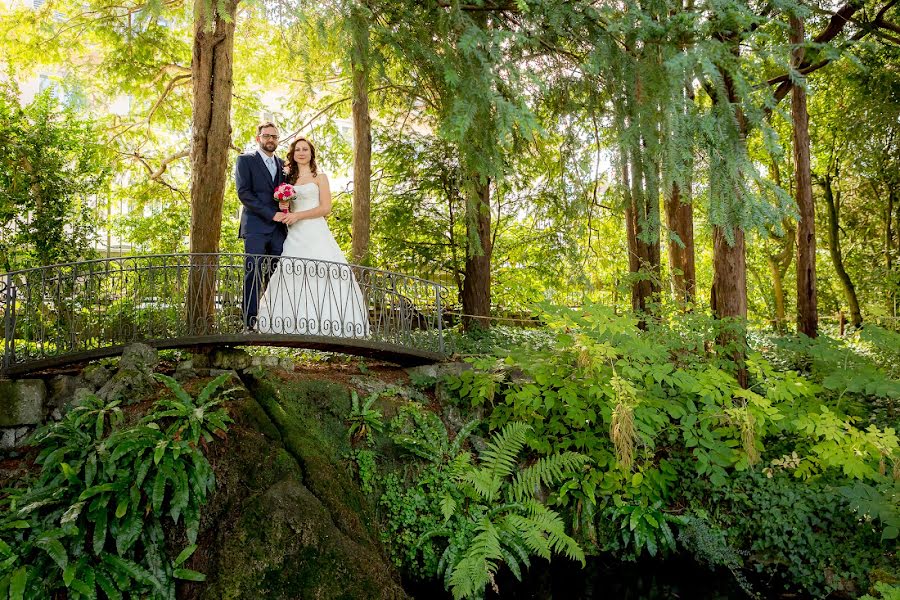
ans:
x=499 y=457
x=555 y=528
x=530 y=534
x=210 y=388
x=461 y=437
x=547 y=471
x=175 y=387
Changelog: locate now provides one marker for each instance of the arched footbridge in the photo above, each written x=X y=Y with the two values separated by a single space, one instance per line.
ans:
x=69 y=313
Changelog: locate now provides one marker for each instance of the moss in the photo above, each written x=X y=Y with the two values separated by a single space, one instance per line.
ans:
x=306 y=414
x=287 y=521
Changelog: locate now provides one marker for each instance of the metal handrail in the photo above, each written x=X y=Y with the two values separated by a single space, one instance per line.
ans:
x=74 y=311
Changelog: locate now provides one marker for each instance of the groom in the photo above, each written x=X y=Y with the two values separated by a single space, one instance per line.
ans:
x=256 y=175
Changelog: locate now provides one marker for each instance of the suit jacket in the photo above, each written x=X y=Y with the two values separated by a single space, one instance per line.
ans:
x=256 y=191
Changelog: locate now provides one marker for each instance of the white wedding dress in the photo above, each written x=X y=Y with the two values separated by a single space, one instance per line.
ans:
x=312 y=290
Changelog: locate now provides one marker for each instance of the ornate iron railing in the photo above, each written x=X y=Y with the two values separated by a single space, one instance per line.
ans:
x=69 y=312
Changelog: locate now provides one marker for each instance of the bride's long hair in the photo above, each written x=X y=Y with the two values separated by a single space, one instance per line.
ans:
x=291 y=165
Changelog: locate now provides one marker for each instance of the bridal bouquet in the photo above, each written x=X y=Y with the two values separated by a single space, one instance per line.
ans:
x=284 y=193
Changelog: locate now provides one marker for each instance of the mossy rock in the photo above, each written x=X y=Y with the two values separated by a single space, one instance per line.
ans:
x=287 y=521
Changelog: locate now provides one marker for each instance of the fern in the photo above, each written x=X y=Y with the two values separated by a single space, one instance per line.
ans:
x=548 y=471
x=488 y=535
x=92 y=522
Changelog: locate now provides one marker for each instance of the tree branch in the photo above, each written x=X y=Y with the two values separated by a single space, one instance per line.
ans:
x=163 y=166
x=172 y=83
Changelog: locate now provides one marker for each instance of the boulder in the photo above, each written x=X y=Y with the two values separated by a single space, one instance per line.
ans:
x=22 y=402
x=13 y=437
x=61 y=389
x=270 y=360
x=134 y=380
x=184 y=370
x=96 y=376
x=139 y=356
x=7 y=438
x=229 y=359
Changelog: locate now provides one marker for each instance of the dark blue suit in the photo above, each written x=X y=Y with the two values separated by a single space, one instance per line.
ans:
x=262 y=235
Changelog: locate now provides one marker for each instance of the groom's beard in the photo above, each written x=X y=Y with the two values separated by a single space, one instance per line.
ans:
x=269 y=146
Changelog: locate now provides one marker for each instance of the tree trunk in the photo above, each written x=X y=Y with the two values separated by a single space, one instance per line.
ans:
x=807 y=312
x=211 y=70
x=834 y=248
x=643 y=234
x=889 y=249
x=729 y=295
x=680 y=221
x=476 y=295
x=362 y=135
x=778 y=266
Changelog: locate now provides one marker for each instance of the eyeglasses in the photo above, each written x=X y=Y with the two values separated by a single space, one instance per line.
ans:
x=269 y=136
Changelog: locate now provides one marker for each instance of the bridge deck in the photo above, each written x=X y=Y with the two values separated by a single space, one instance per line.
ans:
x=355 y=347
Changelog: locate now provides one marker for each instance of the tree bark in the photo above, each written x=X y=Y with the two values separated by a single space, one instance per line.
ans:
x=889 y=249
x=643 y=235
x=729 y=294
x=362 y=136
x=888 y=232
x=778 y=266
x=476 y=295
x=680 y=221
x=807 y=311
x=211 y=71
x=834 y=248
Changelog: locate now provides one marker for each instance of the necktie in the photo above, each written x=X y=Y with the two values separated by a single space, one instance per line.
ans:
x=270 y=164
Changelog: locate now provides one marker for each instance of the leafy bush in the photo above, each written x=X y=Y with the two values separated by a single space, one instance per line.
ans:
x=657 y=408
x=803 y=531
x=490 y=516
x=92 y=520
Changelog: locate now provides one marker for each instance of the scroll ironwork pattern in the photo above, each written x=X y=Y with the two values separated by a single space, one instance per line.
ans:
x=75 y=309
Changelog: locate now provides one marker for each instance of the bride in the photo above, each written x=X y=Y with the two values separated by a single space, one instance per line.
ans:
x=313 y=290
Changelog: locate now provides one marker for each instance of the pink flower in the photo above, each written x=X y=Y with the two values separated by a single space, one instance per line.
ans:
x=283 y=193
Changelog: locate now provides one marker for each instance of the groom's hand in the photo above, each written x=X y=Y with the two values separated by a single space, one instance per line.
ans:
x=279 y=217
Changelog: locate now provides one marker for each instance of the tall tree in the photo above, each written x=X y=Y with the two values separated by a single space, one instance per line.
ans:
x=807 y=312
x=833 y=207
x=362 y=131
x=211 y=68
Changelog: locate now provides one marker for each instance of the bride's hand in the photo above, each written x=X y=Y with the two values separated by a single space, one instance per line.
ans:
x=291 y=218
x=283 y=206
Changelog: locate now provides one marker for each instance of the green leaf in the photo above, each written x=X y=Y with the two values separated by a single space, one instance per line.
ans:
x=184 y=555
x=890 y=533
x=122 y=508
x=188 y=575
x=100 y=530
x=100 y=489
x=108 y=587
x=159 y=490
x=160 y=450
x=129 y=532
x=56 y=551
x=17 y=584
